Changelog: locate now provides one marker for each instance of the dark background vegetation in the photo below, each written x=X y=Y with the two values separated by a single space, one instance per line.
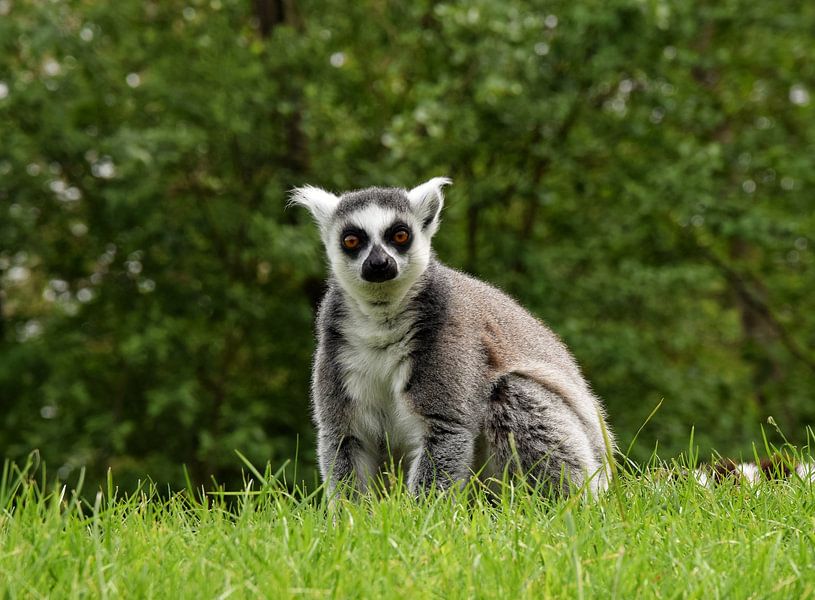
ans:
x=639 y=173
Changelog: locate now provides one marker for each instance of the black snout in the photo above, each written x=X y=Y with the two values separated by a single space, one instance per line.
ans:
x=379 y=266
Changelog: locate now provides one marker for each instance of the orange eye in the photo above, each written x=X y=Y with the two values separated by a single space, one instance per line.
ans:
x=350 y=241
x=400 y=237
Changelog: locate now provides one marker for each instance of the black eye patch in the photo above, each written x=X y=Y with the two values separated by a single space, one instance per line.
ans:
x=400 y=236
x=353 y=240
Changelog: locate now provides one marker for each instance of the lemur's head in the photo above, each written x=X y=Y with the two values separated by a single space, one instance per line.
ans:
x=378 y=239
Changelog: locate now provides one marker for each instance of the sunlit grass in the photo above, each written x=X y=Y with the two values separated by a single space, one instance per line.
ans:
x=659 y=534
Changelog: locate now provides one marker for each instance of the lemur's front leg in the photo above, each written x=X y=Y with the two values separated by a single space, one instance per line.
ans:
x=445 y=458
x=343 y=461
x=343 y=458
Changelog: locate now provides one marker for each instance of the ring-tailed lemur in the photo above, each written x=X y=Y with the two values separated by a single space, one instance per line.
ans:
x=777 y=467
x=431 y=365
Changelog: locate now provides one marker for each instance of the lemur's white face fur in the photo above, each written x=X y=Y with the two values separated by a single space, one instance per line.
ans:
x=378 y=239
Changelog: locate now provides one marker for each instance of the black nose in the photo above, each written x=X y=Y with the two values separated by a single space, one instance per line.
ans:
x=379 y=266
x=378 y=260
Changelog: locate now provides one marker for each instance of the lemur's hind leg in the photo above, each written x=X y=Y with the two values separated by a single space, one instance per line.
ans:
x=532 y=429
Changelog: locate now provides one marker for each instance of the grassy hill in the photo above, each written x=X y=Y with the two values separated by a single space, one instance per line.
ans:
x=650 y=536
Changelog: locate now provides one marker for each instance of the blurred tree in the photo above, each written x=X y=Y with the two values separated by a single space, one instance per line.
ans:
x=637 y=173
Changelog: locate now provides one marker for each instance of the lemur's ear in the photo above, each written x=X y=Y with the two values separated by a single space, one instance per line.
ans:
x=320 y=203
x=426 y=200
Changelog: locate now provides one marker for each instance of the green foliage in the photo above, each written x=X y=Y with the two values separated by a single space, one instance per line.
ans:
x=637 y=173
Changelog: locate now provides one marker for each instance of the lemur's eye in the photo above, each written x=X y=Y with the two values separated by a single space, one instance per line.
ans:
x=400 y=236
x=350 y=241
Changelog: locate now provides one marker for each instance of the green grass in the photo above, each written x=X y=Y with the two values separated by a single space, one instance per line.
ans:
x=669 y=538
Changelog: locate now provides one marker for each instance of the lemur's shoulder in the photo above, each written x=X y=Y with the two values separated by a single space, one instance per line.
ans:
x=330 y=311
x=485 y=299
x=502 y=321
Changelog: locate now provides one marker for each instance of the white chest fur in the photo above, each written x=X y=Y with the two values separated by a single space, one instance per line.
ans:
x=377 y=365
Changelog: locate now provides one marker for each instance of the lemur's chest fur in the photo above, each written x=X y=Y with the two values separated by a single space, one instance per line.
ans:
x=376 y=368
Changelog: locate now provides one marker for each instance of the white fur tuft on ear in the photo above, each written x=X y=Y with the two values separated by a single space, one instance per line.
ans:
x=320 y=203
x=427 y=201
